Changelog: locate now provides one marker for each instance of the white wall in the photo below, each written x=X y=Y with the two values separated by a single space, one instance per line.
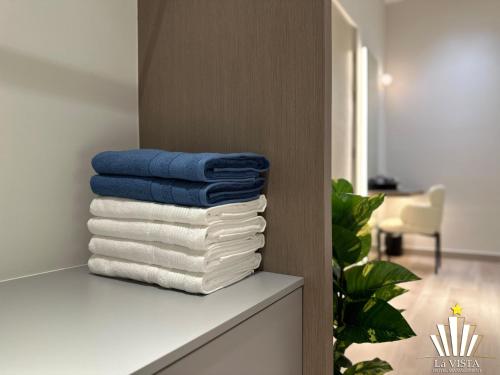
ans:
x=369 y=17
x=68 y=88
x=443 y=112
x=344 y=45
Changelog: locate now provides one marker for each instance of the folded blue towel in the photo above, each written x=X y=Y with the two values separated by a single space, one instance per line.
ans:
x=207 y=167
x=186 y=193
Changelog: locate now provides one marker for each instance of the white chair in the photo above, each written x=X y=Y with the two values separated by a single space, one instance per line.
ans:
x=419 y=218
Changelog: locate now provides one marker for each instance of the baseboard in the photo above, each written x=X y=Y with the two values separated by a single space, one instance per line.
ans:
x=455 y=253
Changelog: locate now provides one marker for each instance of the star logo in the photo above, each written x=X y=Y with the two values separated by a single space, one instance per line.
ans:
x=456 y=344
x=457 y=309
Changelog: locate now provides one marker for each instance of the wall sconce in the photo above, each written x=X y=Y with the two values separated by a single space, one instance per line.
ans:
x=386 y=79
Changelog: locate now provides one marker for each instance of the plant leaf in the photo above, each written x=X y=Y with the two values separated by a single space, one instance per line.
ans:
x=341 y=360
x=363 y=211
x=363 y=281
x=374 y=367
x=343 y=210
x=340 y=346
x=342 y=186
x=374 y=321
x=336 y=271
x=346 y=246
x=365 y=236
x=353 y=211
x=389 y=292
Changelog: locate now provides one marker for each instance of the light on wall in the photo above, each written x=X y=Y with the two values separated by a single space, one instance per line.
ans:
x=386 y=79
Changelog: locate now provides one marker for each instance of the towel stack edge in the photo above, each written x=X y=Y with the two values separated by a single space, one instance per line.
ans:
x=184 y=221
x=204 y=283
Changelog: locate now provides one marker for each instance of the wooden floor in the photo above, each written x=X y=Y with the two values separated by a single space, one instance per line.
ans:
x=475 y=285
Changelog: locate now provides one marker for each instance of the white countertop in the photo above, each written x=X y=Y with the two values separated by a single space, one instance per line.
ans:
x=73 y=322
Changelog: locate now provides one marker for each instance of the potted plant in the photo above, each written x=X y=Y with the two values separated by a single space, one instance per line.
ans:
x=361 y=289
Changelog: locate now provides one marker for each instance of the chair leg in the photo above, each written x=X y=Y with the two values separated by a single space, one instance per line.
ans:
x=440 y=249
x=438 y=252
x=379 y=244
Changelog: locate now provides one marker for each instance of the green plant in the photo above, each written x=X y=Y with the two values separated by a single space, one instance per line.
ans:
x=362 y=290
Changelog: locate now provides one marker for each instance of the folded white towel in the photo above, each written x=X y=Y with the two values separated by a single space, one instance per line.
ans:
x=177 y=257
x=119 y=208
x=193 y=237
x=204 y=283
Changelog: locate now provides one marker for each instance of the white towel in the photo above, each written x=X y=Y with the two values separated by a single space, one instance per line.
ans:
x=204 y=283
x=193 y=237
x=172 y=256
x=120 y=208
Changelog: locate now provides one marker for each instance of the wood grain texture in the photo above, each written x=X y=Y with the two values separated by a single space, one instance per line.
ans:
x=253 y=75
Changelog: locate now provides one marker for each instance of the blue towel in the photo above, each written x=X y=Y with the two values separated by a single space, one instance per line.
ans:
x=207 y=167
x=186 y=193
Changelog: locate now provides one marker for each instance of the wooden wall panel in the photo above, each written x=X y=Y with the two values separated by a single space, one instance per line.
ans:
x=253 y=75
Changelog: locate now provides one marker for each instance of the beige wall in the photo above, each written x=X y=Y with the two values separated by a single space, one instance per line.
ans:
x=443 y=112
x=68 y=88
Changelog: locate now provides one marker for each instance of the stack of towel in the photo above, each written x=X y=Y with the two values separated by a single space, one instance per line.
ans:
x=179 y=220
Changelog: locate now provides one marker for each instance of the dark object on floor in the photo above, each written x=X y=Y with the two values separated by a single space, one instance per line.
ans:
x=394 y=244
